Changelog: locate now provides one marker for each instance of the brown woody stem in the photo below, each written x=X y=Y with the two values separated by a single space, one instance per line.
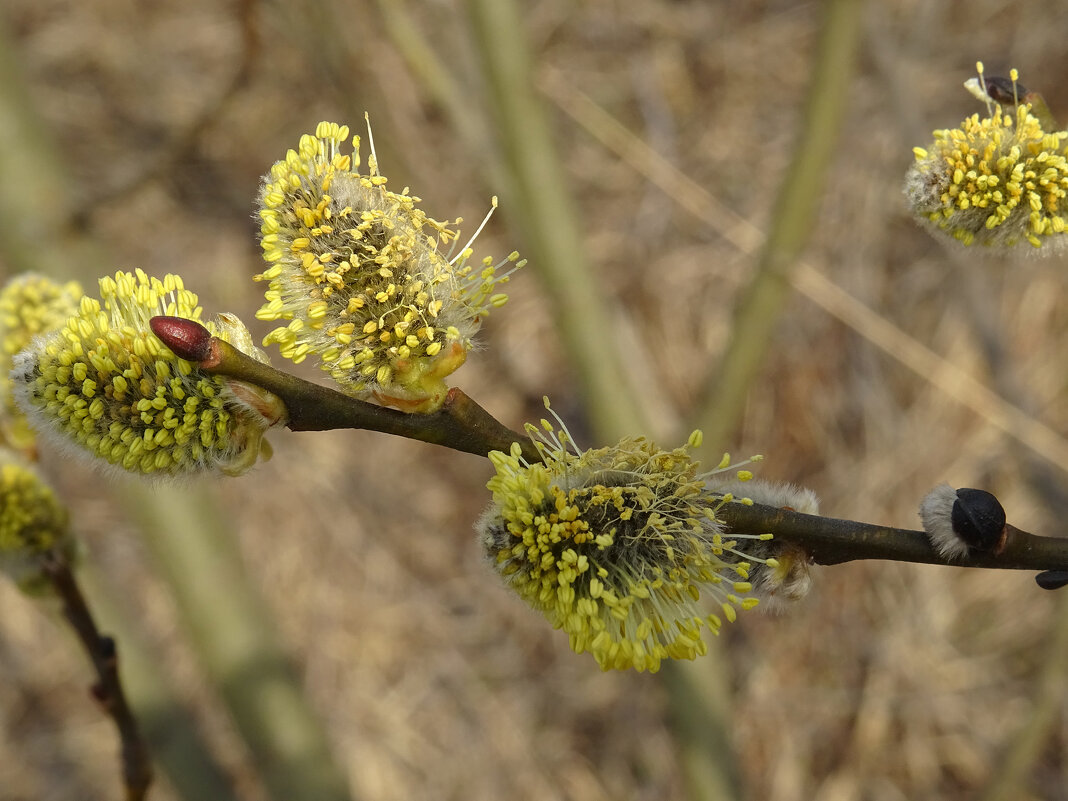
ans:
x=463 y=425
x=829 y=541
x=136 y=762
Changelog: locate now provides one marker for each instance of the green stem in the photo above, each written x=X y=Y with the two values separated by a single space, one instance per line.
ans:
x=237 y=642
x=793 y=220
x=1027 y=745
x=699 y=702
x=541 y=206
x=169 y=727
x=35 y=202
x=436 y=78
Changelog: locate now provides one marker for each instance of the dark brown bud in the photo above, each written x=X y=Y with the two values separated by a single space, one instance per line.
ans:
x=978 y=519
x=1052 y=579
x=1004 y=91
x=187 y=338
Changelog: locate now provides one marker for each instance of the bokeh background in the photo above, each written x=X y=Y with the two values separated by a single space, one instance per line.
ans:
x=890 y=681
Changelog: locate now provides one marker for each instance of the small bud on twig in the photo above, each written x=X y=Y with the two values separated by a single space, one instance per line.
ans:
x=978 y=518
x=187 y=338
x=959 y=521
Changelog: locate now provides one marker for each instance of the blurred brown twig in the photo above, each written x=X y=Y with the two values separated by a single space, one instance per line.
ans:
x=108 y=691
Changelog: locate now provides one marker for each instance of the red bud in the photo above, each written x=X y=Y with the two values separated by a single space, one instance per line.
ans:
x=187 y=338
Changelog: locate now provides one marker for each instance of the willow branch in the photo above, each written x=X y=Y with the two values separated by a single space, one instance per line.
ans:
x=829 y=541
x=460 y=424
x=463 y=425
x=136 y=762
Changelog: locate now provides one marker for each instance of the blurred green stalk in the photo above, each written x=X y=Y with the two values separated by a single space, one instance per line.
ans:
x=434 y=75
x=235 y=638
x=236 y=641
x=698 y=694
x=540 y=205
x=723 y=399
x=1026 y=746
x=168 y=727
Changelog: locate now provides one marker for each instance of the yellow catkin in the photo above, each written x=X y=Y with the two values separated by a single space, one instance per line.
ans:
x=104 y=383
x=33 y=524
x=999 y=180
x=357 y=280
x=30 y=305
x=619 y=547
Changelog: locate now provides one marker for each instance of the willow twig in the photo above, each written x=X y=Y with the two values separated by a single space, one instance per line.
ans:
x=829 y=541
x=136 y=762
x=465 y=426
x=461 y=424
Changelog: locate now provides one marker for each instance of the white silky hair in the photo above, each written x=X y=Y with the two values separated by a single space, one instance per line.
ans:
x=936 y=512
x=782 y=495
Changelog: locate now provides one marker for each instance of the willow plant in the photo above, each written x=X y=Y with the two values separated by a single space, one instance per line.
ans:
x=635 y=551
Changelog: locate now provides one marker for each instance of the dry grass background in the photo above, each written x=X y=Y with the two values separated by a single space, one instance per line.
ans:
x=891 y=682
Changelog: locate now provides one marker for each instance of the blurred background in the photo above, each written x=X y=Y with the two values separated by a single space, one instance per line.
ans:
x=890 y=681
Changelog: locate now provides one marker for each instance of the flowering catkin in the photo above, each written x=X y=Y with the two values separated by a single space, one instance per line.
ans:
x=33 y=524
x=30 y=304
x=355 y=271
x=617 y=546
x=999 y=180
x=106 y=384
